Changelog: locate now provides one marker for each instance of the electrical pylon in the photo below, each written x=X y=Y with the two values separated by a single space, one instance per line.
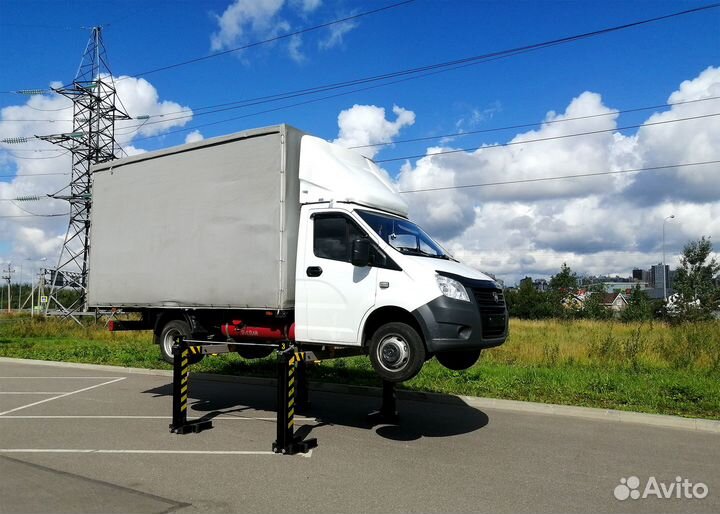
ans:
x=91 y=141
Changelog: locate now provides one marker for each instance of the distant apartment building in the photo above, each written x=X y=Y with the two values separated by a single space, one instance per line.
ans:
x=656 y=281
x=641 y=275
x=541 y=285
x=660 y=276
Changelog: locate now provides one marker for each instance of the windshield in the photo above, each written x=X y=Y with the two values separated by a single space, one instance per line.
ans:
x=403 y=235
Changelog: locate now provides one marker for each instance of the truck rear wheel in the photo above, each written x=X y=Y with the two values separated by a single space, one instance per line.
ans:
x=458 y=361
x=396 y=352
x=172 y=329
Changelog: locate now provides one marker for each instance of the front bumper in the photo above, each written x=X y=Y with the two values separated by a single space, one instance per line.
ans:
x=450 y=325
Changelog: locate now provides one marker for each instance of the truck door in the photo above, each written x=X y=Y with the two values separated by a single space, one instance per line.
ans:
x=334 y=295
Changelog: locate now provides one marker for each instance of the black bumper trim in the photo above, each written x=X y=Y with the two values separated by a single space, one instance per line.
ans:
x=449 y=324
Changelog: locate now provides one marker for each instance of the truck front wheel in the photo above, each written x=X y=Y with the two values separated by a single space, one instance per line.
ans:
x=396 y=352
x=172 y=329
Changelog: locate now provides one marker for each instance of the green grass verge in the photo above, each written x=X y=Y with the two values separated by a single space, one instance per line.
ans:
x=637 y=385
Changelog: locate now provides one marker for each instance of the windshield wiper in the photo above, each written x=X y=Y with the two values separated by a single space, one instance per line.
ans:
x=415 y=251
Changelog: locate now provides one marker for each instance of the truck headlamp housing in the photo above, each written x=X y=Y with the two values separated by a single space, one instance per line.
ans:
x=452 y=288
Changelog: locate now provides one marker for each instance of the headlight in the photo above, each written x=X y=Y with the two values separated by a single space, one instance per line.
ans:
x=452 y=288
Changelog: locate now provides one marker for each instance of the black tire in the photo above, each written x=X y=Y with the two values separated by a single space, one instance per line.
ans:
x=458 y=361
x=169 y=332
x=255 y=352
x=396 y=352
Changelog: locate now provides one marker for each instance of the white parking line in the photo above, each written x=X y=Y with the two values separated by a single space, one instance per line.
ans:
x=33 y=392
x=146 y=452
x=61 y=396
x=73 y=378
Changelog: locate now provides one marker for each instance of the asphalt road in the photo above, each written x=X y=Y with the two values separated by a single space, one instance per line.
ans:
x=78 y=440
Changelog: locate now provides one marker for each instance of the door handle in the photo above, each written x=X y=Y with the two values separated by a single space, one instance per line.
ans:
x=314 y=271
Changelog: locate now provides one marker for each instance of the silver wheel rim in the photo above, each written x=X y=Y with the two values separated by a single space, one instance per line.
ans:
x=169 y=340
x=393 y=353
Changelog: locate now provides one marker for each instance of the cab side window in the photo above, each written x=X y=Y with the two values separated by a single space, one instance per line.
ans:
x=333 y=236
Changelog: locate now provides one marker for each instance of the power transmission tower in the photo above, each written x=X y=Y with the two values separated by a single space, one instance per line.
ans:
x=91 y=141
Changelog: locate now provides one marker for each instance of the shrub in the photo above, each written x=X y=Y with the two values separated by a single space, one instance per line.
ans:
x=633 y=347
x=606 y=349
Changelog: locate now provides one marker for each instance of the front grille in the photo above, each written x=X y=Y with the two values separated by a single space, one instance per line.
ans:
x=491 y=304
x=488 y=297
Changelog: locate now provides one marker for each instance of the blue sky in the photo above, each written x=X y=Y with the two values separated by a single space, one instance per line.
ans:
x=637 y=67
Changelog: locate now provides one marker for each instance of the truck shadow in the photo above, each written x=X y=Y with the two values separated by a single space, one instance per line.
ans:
x=441 y=416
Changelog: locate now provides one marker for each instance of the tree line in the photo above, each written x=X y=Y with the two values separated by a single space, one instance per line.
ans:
x=696 y=294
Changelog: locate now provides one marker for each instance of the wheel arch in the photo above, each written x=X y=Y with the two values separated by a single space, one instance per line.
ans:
x=162 y=318
x=388 y=314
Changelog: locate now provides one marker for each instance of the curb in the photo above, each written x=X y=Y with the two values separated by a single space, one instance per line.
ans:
x=548 y=409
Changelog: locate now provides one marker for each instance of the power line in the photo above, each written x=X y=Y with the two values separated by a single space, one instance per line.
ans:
x=35 y=215
x=560 y=177
x=48 y=110
x=497 y=145
x=37 y=158
x=275 y=109
x=46 y=120
x=527 y=125
x=538 y=179
x=44 y=27
x=32 y=175
x=477 y=59
x=32 y=149
x=443 y=66
x=550 y=138
x=513 y=51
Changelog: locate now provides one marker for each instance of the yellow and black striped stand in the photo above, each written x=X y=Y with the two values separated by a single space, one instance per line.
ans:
x=287 y=443
x=183 y=356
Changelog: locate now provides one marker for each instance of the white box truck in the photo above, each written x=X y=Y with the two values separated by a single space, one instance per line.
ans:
x=272 y=234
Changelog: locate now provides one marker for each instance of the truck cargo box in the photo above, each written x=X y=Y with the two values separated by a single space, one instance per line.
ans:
x=212 y=224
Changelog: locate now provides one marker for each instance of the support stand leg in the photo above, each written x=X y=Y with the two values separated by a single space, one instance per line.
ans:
x=388 y=410
x=181 y=378
x=301 y=393
x=287 y=443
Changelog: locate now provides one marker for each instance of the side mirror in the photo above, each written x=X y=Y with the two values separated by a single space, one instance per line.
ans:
x=360 y=253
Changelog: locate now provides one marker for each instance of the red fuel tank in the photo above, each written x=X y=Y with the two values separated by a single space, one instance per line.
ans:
x=238 y=330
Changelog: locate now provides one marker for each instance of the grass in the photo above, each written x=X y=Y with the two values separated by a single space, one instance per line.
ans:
x=640 y=367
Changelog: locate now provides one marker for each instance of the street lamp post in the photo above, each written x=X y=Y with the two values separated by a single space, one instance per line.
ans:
x=665 y=274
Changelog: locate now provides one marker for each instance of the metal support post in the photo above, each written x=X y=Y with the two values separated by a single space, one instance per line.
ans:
x=301 y=394
x=181 y=376
x=287 y=443
x=388 y=410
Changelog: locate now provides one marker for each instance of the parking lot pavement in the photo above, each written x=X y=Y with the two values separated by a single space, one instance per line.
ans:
x=82 y=440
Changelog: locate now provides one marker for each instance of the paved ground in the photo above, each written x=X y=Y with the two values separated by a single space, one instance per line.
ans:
x=76 y=440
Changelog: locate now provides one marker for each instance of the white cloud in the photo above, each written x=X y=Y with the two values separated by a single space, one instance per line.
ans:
x=606 y=224
x=307 y=6
x=682 y=142
x=336 y=33
x=248 y=18
x=194 y=137
x=140 y=98
x=40 y=168
x=247 y=21
x=366 y=125
x=294 y=49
